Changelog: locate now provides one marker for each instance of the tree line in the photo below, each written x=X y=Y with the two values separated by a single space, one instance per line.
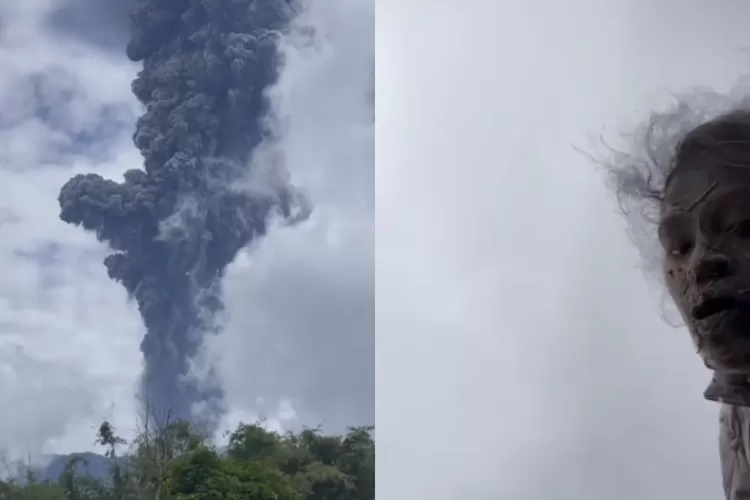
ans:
x=176 y=461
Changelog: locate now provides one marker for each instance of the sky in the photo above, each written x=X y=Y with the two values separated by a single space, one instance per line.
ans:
x=298 y=341
x=521 y=352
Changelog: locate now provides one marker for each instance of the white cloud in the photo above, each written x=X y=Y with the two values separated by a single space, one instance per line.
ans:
x=301 y=305
x=520 y=351
x=68 y=339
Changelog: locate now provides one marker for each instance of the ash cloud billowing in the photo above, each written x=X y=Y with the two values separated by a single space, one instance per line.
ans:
x=177 y=223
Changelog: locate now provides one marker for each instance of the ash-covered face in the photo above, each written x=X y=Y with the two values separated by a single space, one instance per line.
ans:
x=705 y=232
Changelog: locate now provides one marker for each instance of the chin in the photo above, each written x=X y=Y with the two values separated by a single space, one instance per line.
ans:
x=724 y=342
x=728 y=355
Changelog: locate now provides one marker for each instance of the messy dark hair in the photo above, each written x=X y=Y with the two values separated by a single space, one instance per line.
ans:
x=702 y=121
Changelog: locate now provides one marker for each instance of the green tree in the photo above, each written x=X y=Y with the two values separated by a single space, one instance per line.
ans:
x=357 y=460
x=31 y=491
x=253 y=442
x=107 y=437
x=175 y=461
x=204 y=475
x=321 y=467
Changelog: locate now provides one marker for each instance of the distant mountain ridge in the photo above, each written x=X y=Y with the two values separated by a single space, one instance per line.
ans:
x=91 y=464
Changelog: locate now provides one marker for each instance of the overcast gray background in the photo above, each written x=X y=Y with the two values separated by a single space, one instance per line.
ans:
x=299 y=338
x=520 y=352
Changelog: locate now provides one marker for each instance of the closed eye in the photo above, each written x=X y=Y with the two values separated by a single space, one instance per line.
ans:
x=675 y=233
x=682 y=249
x=742 y=229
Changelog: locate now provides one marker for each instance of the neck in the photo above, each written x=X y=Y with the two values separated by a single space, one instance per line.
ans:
x=729 y=388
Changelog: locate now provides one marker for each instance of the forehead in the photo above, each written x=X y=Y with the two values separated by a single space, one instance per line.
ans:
x=692 y=179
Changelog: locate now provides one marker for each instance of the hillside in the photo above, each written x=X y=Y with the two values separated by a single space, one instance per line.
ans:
x=91 y=464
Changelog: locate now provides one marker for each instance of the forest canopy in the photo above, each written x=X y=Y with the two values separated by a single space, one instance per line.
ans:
x=176 y=461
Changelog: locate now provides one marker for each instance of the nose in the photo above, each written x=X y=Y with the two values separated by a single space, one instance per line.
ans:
x=712 y=267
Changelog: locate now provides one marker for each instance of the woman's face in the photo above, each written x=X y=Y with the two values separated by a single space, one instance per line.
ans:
x=705 y=232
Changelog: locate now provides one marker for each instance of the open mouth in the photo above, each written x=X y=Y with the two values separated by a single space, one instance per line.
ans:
x=714 y=306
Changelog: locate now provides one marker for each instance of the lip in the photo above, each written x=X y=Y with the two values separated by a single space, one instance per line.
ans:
x=717 y=305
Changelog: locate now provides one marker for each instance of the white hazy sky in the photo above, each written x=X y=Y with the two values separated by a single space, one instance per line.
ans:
x=520 y=353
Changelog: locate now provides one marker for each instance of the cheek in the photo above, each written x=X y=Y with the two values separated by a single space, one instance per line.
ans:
x=741 y=260
x=675 y=281
x=675 y=277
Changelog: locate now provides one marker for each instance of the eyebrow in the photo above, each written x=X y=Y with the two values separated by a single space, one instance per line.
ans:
x=673 y=219
x=702 y=196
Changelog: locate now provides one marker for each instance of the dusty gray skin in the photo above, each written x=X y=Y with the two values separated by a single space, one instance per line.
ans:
x=704 y=230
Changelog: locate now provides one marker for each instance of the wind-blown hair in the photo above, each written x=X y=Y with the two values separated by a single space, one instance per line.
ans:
x=639 y=172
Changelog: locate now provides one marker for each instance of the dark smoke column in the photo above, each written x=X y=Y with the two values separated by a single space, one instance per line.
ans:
x=175 y=225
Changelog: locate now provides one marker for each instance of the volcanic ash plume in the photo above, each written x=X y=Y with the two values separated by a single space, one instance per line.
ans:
x=177 y=223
